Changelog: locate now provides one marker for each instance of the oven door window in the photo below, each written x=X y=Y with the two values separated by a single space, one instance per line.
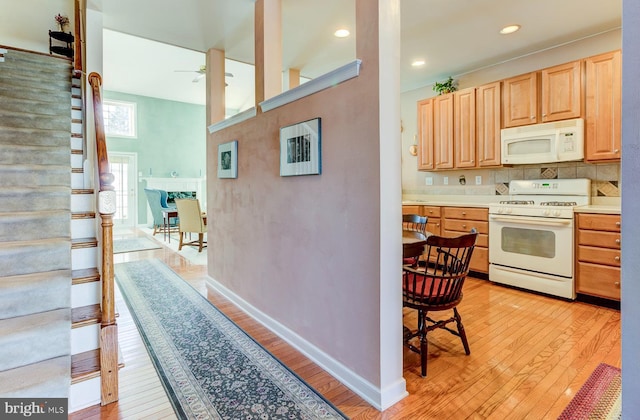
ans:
x=531 y=242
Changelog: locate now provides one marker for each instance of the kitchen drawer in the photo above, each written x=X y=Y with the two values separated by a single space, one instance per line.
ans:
x=482 y=240
x=598 y=280
x=479 y=260
x=599 y=255
x=606 y=222
x=431 y=211
x=433 y=226
x=465 y=225
x=599 y=238
x=411 y=210
x=466 y=213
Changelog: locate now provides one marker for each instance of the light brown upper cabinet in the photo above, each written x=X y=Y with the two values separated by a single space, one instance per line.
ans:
x=603 y=107
x=520 y=100
x=488 y=124
x=425 y=135
x=443 y=131
x=561 y=92
x=560 y=95
x=464 y=128
x=448 y=129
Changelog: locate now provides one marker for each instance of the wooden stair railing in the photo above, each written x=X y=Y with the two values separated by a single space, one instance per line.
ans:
x=79 y=14
x=106 y=209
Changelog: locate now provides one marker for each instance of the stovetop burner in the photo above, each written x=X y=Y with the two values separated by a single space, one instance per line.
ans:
x=559 y=203
x=518 y=202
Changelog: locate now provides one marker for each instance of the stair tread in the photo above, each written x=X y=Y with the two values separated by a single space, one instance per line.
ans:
x=82 y=191
x=86 y=315
x=86 y=365
x=83 y=215
x=83 y=243
x=85 y=275
x=46 y=379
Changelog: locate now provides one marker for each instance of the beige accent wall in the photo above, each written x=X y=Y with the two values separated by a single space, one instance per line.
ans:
x=306 y=250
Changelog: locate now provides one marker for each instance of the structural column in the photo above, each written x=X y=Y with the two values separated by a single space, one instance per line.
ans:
x=215 y=86
x=291 y=78
x=268 y=49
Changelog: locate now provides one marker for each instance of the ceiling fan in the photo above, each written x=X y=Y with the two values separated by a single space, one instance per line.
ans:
x=201 y=73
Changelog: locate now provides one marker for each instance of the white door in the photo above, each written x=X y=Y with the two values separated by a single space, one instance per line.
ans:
x=124 y=167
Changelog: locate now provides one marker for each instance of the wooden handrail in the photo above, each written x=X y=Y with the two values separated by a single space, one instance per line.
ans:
x=106 y=209
x=79 y=36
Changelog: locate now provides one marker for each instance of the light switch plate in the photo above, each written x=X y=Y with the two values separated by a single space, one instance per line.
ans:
x=478 y=179
x=445 y=181
x=428 y=181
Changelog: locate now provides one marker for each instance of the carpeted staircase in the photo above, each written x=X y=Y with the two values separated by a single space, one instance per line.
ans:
x=35 y=225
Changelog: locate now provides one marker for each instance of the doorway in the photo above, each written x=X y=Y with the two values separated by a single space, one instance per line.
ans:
x=124 y=168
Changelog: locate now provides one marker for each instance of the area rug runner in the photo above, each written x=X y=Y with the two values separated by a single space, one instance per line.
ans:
x=133 y=244
x=210 y=368
x=598 y=398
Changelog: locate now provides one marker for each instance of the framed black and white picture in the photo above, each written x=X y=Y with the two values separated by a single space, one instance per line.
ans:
x=228 y=160
x=300 y=149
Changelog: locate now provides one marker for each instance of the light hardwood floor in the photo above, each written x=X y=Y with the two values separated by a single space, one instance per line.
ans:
x=529 y=356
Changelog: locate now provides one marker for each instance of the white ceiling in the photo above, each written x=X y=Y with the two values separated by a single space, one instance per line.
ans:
x=453 y=36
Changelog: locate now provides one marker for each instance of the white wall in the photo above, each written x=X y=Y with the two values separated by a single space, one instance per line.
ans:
x=630 y=208
x=25 y=24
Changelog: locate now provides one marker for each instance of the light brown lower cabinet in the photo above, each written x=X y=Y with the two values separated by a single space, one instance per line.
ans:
x=457 y=221
x=598 y=255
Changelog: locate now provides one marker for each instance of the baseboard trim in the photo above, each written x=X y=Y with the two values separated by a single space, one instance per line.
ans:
x=373 y=395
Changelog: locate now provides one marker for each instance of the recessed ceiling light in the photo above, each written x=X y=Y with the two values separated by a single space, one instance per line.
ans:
x=342 y=33
x=509 y=29
x=418 y=63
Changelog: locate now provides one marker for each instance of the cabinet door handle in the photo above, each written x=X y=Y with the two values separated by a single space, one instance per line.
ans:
x=464 y=226
x=617 y=224
x=617 y=258
x=533 y=117
x=617 y=283
x=618 y=241
x=464 y=213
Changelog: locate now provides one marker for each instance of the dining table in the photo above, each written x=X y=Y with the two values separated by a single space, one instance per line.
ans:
x=413 y=243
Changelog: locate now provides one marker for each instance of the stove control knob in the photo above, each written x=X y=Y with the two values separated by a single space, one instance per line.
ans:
x=556 y=213
x=499 y=210
x=545 y=212
x=508 y=210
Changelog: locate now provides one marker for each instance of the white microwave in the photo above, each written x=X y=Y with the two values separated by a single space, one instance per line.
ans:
x=559 y=141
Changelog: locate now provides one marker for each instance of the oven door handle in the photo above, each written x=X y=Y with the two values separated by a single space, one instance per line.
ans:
x=531 y=221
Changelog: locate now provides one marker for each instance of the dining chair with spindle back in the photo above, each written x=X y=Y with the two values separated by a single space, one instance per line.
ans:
x=437 y=287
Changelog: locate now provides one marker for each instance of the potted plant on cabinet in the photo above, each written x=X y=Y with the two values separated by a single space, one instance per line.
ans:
x=447 y=86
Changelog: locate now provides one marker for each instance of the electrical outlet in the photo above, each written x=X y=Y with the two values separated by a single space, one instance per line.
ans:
x=428 y=181
x=445 y=181
x=478 y=179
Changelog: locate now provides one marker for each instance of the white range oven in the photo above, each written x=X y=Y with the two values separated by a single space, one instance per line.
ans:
x=531 y=235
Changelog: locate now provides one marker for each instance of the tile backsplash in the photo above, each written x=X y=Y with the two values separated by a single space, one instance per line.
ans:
x=605 y=179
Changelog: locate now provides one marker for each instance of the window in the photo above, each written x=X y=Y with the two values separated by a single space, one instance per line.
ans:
x=119 y=118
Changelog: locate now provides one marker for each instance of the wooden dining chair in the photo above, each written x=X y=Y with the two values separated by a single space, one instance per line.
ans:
x=413 y=223
x=437 y=287
x=191 y=221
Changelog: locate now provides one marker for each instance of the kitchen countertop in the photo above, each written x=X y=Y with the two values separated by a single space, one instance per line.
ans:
x=597 y=208
x=604 y=205
x=451 y=200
